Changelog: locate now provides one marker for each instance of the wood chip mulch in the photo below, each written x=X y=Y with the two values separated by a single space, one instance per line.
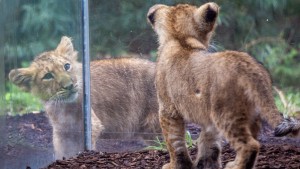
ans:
x=270 y=156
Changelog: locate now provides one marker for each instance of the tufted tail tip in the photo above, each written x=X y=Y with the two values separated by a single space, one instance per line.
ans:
x=289 y=125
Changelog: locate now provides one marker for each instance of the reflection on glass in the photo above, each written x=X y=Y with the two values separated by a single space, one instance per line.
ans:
x=29 y=28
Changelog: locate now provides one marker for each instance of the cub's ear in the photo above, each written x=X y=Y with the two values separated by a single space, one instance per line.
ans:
x=21 y=77
x=206 y=16
x=65 y=47
x=151 y=13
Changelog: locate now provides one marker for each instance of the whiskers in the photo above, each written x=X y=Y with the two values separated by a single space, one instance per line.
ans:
x=64 y=96
x=78 y=85
x=214 y=47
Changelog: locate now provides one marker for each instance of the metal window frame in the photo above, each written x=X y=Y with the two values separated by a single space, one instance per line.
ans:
x=86 y=77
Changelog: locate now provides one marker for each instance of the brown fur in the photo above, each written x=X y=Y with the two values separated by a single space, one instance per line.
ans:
x=225 y=92
x=123 y=96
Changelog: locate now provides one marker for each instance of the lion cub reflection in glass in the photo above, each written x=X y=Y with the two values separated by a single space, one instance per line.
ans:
x=123 y=97
x=226 y=92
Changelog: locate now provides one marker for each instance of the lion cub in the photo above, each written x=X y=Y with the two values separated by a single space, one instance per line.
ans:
x=123 y=96
x=226 y=92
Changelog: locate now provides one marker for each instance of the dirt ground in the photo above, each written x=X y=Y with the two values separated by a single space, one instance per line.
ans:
x=29 y=137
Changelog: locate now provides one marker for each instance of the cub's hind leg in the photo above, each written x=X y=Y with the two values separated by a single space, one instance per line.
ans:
x=209 y=149
x=173 y=129
x=238 y=131
x=246 y=153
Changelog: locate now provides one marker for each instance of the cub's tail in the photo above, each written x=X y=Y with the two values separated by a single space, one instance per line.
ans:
x=287 y=126
x=282 y=126
x=259 y=91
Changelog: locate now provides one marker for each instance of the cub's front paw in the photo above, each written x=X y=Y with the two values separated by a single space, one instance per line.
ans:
x=177 y=166
x=167 y=166
x=232 y=165
x=207 y=165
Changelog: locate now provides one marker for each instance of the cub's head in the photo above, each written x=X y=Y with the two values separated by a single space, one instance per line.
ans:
x=53 y=75
x=184 y=22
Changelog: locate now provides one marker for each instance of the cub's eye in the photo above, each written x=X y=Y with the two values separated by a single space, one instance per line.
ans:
x=48 y=76
x=67 y=66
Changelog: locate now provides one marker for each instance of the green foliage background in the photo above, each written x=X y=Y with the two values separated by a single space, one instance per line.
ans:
x=267 y=29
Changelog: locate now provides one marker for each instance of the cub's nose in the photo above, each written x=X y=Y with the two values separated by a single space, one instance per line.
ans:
x=68 y=86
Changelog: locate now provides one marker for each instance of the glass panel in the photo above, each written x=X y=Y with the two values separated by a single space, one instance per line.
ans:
x=122 y=92
x=119 y=29
x=29 y=28
x=2 y=107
